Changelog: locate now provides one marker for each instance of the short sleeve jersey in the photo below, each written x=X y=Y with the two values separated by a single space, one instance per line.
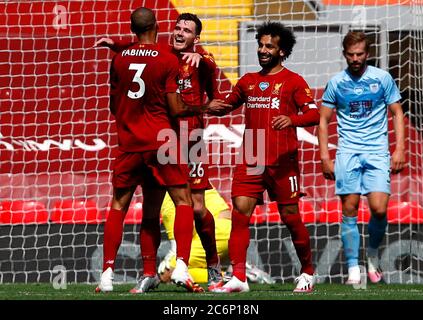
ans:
x=140 y=77
x=196 y=84
x=361 y=109
x=266 y=96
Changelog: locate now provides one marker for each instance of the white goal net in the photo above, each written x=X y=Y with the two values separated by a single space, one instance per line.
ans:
x=57 y=138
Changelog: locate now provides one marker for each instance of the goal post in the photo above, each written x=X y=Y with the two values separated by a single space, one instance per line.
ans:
x=58 y=140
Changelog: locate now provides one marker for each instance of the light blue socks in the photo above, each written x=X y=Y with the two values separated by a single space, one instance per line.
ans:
x=350 y=239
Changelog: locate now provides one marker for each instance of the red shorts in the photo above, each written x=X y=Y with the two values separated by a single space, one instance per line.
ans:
x=142 y=168
x=198 y=176
x=198 y=167
x=281 y=182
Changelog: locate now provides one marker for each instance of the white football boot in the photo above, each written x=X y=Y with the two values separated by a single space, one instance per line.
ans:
x=106 y=281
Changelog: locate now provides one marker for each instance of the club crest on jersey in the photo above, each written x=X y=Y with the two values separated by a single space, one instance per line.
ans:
x=277 y=88
x=308 y=93
x=358 y=90
x=263 y=85
x=185 y=70
x=374 y=87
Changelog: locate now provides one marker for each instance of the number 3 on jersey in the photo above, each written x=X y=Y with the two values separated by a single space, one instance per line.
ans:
x=139 y=67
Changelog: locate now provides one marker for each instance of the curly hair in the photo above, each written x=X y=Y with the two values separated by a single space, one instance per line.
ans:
x=286 y=36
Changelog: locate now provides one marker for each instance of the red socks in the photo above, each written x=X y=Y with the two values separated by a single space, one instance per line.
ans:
x=205 y=228
x=150 y=237
x=238 y=243
x=113 y=230
x=301 y=240
x=182 y=231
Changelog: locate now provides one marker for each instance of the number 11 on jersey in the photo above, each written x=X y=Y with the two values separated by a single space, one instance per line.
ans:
x=294 y=183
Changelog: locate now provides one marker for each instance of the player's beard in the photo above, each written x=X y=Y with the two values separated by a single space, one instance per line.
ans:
x=357 y=68
x=269 y=64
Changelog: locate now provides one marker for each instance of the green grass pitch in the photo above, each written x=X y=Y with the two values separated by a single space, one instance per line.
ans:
x=45 y=291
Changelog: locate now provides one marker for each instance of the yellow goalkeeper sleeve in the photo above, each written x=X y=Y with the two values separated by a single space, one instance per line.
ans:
x=197 y=263
x=214 y=203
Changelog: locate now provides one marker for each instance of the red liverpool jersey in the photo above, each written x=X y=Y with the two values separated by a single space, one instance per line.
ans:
x=196 y=85
x=267 y=96
x=140 y=77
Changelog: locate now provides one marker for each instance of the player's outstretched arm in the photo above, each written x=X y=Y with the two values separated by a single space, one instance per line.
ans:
x=309 y=117
x=328 y=168
x=192 y=58
x=180 y=109
x=398 y=156
x=218 y=107
x=114 y=45
x=104 y=42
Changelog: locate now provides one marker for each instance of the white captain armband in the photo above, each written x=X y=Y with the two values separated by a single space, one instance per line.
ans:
x=311 y=105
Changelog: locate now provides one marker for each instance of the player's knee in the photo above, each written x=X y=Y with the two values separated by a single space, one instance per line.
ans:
x=349 y=209
x=181 y=196
x=183 y=202
x=199 y=210
x=124 y=207
x=378 y=213
x=244 y=205
x=243 y=208
x=288 y=209
x=350 y=213
x=199 y=206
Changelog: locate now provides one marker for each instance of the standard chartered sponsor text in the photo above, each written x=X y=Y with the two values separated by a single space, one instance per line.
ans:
x=254 y=102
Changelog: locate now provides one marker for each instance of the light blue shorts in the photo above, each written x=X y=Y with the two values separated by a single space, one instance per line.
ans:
x=362 y=173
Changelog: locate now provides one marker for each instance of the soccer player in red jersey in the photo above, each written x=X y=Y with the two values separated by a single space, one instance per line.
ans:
x=277 y=101
x=196 y=84
x=144 y=92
